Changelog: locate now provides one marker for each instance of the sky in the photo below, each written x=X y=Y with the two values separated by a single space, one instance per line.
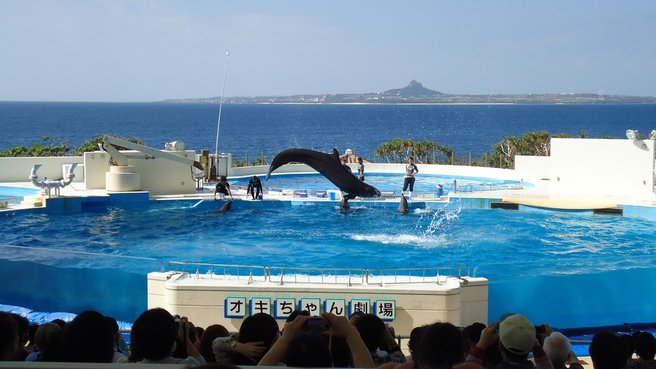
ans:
x=130 y=50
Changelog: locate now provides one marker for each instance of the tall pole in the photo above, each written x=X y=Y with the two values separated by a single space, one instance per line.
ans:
x=218 y=122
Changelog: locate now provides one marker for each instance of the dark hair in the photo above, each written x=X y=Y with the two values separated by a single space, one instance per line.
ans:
x=180 y=351
x=473 y=331
x=415 y=337
x=153 y=334
x=296 y=313
x=113 y=324
x=645 y=346
x=371 y=330
x=48 y=341
x=8 y=334
x=606 y=351
x=258 y=327
x=440 y=345
x=88 y=339
x=60 y=322
x=23 y=327
x=308 y=350
x=205 y=346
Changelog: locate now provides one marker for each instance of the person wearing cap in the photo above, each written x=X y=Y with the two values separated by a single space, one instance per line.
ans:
x=559 y=349
x=517 y=338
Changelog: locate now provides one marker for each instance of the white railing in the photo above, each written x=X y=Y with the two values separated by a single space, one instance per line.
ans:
x=333 y=276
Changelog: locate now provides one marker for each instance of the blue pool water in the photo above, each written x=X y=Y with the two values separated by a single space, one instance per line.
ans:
x=565 y=269
x=17 y=191
x=14 y=195
x=388 y=182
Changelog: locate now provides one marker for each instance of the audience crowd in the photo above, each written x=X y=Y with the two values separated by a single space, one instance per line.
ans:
x=363 y=341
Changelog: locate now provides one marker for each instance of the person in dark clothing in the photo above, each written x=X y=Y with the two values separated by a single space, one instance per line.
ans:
x=409 y=178
x=254 y=187
x=223 y=187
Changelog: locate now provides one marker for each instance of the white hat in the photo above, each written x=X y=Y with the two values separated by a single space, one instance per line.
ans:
x=348 y=152
x=517 y=334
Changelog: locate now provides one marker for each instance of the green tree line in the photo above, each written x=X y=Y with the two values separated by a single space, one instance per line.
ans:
x=397 y=150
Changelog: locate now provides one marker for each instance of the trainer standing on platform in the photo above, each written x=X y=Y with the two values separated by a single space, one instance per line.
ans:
x=409 y=179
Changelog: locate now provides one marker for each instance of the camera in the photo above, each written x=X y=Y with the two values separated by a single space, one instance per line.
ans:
x=316 y=324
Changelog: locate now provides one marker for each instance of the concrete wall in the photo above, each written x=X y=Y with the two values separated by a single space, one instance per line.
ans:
x=602 y=167
x=453 y=170
x=201 y=298
x=19 y=169
x=533 y=168
x=158 y=176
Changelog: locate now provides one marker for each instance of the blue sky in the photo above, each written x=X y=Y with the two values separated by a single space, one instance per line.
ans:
x=127 y=50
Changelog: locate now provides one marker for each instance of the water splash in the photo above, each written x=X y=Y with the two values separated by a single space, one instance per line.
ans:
x=438 y=220
x=421 y=240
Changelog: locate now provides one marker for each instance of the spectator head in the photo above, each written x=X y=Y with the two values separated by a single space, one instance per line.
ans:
x=517 y=337
x=60 y=322
x=415 y=337
x=88 y=338
x=372 y=330
x=205 y=346
x=180 y=345
x=8 y=336
x=23 y=329
x=628 y=345
x=153 y=335
x=645 y=346
x=296 y=313
x=47 y=340
x=258 y=327
x=113 y=327
x=23 y=336
x=440 y=346
x=557 y=347
x=308 y=350
x=473 y=332
x=606 y=351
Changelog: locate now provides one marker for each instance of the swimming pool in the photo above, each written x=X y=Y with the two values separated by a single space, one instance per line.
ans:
x=425 y=183
x=566 y=269
x=14 y=195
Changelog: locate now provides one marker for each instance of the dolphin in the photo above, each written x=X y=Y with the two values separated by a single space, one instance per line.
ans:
x=344 y=206
x=329 y=166
x=226 y=207
x=403 y=205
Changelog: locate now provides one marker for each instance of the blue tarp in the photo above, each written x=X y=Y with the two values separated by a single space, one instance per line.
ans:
x=40 y=317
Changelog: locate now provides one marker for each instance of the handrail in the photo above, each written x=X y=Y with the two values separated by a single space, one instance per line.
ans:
x=332 y=276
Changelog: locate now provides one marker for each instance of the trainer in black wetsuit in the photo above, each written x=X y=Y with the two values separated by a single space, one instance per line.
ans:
x=254 y=187
x=223 y=187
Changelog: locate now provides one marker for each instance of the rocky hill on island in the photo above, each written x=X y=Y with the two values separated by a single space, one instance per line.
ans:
x=416 y=93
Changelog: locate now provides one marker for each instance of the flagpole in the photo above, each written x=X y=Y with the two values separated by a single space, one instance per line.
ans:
x=218 y=121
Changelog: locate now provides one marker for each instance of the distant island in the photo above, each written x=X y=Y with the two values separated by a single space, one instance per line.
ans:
x=416 y=93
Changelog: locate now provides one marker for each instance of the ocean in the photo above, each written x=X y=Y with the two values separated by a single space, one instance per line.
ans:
x=267 y=129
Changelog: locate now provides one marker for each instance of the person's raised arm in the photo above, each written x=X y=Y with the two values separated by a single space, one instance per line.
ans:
x=183 y=332
x=278 y=350
x=341 y=327
x=489 y=336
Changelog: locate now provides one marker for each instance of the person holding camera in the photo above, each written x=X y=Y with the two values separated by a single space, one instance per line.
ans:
x=316 y=333
x=153 y=339
x=517 y=338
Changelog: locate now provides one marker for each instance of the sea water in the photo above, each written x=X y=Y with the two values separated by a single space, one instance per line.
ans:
x=268 y=129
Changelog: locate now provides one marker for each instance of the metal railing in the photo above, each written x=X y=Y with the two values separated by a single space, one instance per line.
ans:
x=332 y=276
